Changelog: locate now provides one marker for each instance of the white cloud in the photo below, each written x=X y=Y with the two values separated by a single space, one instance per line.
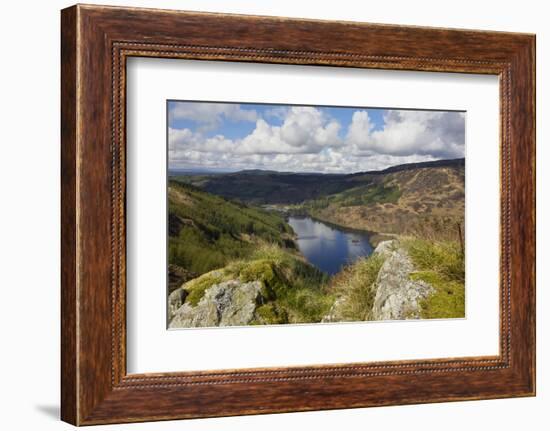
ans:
x=360 y=128
x=304 y=130
x=330 y=161
x=210 y=115
x=278 y=112
x=405 y=133
x=308 y=140
x=184 y=139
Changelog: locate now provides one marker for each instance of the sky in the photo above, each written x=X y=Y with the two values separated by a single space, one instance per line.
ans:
x=229 y=137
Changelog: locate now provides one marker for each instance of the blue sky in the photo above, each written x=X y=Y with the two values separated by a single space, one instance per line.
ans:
x=240 y=129
x=230 y=137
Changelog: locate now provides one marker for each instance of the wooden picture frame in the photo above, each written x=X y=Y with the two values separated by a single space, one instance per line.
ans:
x=95 y=43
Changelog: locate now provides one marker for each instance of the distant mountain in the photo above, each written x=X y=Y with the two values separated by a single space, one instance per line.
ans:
x=195 y=171
x=271 y=187
x=447 y=163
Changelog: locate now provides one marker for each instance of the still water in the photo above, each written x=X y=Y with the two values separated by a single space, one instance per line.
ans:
x=328 y=247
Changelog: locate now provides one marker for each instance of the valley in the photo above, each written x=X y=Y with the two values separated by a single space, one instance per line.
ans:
x=266 y=247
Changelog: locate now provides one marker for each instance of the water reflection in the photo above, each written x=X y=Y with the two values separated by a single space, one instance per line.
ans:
x=328 y=247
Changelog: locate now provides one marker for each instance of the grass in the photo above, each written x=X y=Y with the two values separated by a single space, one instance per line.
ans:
x=306 y=305
x=208 y=232
x=441 y=264
x=293 y=291
x=355 y=286
x=447 y=302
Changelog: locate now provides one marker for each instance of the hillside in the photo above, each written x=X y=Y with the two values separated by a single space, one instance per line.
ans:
x=420 y=199
x=207 y=231
x=270 y=187
x=267 y=187
x=426 y=202
x=232 y=262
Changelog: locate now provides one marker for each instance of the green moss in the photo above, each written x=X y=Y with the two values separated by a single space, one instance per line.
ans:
x=267 y=315
x=294 y=289
x=257 y=270
x=447 y=302
x=198 y=286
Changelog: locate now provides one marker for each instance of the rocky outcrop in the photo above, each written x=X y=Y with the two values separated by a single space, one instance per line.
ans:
x=397 y=296
x=386 y=248
x=230 y=303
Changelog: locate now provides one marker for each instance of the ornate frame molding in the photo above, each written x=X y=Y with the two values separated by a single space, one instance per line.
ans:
x=96 y=41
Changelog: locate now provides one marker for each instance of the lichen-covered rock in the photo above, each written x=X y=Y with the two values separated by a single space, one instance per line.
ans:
x=175 y=301
x=397 y=296
x=337 y=311
x=385 y=248
x=230 y=303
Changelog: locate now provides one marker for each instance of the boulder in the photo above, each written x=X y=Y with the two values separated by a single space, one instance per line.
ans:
x=397 y=296
x=385 y=248
x=230 y=303
x=175 y=301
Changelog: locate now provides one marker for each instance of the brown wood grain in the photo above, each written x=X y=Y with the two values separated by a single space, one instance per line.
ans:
x=69 y=330
x=96 y=41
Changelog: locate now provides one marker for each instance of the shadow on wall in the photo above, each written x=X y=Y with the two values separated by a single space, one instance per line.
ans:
x=52 y=411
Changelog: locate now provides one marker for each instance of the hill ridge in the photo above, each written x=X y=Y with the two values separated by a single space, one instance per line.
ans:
x=395 y=168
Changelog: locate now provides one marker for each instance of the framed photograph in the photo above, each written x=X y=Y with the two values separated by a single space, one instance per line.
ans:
x=264 y=215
